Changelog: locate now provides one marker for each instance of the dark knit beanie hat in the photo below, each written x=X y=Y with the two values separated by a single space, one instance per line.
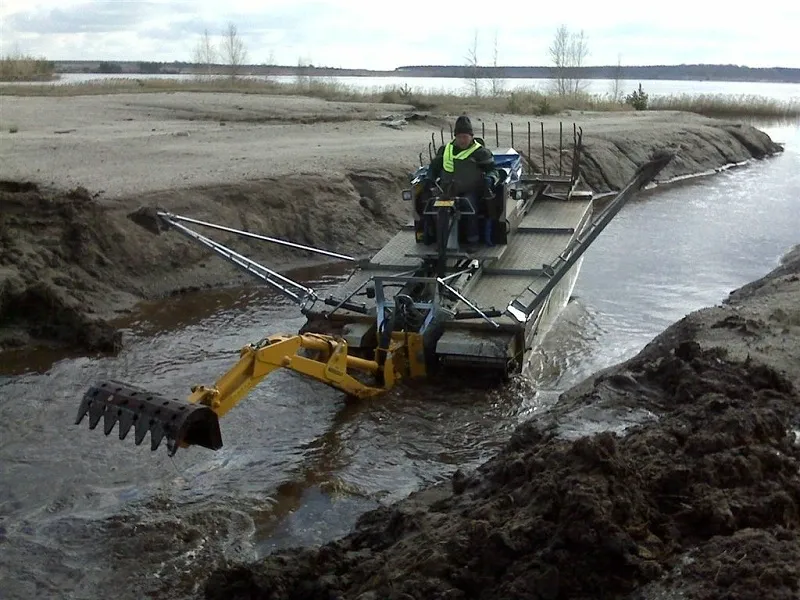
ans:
x=463 y=125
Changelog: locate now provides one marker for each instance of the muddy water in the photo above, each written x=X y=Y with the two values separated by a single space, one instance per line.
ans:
x=80 y=512
x=670 y=252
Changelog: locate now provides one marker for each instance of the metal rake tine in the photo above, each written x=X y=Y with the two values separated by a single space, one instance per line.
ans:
x=96 y=411
x=156 y=435
x=172 y=446
x=142 y=427
x=83 y=409
x=126 y=421
x=110 y=419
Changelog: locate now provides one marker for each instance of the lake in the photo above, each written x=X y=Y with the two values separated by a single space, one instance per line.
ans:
x=787 y=92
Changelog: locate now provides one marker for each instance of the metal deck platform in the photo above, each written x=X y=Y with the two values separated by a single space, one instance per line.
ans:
x=506 y=270
x=542 y=235
x=402 y=253
x=549 y=215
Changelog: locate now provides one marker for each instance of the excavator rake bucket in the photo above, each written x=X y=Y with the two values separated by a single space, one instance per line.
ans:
x=180 y=423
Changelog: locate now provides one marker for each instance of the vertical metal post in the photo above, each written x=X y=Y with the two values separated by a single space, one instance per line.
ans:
x=575 y=159
x=421 y=162
x=544 y=162
x=450 y=125
x=560 y=147
x=529 y=142
x=512 y=134
x=441 y=135
x=496 y=135
x=430 y=154
x=483 y=130
x=433 y=141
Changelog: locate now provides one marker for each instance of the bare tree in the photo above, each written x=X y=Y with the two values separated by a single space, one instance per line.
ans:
x=568 y=52
x=234 y=52
x=473 y=81
x=616 y=83
x=497 y=81
x=205 y=55
x=559 y=56
x=578 y=51
x=302 y=78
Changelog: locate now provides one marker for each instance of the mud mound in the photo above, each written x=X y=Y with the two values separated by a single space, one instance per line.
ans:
x=610 y=161
x=53 y=258
x=724 y=568
x=597 y=517
x=70 y=263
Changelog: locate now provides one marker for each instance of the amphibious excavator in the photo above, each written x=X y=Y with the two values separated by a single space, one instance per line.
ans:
x=425 y=303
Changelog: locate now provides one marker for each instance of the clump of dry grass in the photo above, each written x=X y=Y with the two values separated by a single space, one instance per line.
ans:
x=124 y=85
x=18 y=67
x=536 y=102
x=520 y=101
x=722 y=105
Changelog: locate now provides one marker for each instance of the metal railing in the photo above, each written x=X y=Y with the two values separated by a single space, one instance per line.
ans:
x=573 y=172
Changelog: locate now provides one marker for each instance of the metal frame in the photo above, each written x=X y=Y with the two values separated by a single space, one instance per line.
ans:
x=172 y=218
x=577 y=139
x=521 y=308
x=301 y=294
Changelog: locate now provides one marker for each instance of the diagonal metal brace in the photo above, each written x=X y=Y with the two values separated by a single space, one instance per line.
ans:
x=171 y=218
x=522 y=311
x=458 y=295
x=288 y=287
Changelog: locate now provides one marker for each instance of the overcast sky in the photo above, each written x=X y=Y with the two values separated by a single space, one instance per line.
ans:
x=360 y=33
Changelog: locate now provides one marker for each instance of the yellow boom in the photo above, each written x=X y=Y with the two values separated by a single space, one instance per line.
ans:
x=196 y=422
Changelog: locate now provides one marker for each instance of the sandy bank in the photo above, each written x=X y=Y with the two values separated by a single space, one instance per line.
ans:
x=322 y=173
x=698 y=498
x=120 y=146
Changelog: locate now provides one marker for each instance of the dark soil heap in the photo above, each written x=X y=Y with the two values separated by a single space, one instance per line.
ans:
x=703 y=499
x=54 y=253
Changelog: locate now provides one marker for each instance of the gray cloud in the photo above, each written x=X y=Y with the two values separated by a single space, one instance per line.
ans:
x=360 y=36
x=305 y=24
x=178 y=29
x=94 y=17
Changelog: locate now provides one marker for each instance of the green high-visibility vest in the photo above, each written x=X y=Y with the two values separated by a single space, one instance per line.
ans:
x=448 y=160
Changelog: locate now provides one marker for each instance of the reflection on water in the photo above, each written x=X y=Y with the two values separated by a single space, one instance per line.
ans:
x=82 y=512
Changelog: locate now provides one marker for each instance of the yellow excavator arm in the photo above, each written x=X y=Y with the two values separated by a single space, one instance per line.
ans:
x=196 y=421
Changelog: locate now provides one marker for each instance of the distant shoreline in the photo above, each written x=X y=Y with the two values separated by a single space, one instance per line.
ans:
x=710 y=72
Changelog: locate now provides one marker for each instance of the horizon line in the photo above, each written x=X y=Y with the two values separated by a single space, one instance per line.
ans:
x=432 y=66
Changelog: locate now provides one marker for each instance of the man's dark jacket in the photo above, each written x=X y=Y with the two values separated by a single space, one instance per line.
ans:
x=468 y=174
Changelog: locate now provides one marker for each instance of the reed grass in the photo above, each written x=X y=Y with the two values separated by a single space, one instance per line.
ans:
x=19 y=67
x=520 y=101
x=722 y=105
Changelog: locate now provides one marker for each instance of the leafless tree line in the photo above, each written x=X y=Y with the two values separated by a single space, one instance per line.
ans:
x=231 y=52
x=567 y=52
x=473 y=78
